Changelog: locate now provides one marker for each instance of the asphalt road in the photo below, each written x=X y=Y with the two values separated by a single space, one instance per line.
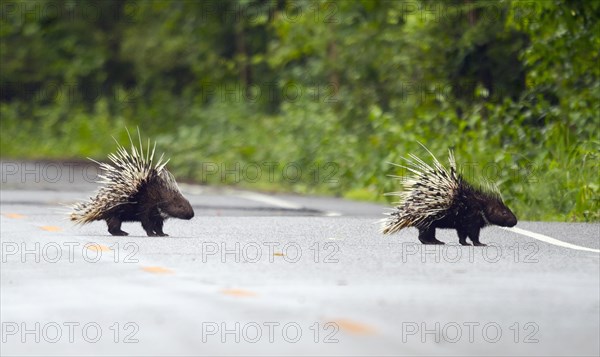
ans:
x=257 y=274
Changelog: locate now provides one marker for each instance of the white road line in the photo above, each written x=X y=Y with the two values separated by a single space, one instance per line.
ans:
x=550 y=240
x=332 y=214
x=267 y=199
x=277 y=202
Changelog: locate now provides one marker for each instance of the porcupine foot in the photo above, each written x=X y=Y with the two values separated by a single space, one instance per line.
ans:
x=462 y=238
x=158 y=229
x=159 y=234
x=153 y=228
x=114 y=227
x=152 y=233
x=428 y=236
x=118 y=233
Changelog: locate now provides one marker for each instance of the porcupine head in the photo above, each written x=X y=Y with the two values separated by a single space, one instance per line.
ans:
x=162 y=191
x=496 y=212
x=135 y=188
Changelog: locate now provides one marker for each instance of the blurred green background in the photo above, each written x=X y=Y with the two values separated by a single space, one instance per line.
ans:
x=316 y=96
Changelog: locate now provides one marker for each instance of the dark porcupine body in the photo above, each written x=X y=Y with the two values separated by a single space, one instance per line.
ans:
x=439 y=198
x=135 y=190
x=152 y=205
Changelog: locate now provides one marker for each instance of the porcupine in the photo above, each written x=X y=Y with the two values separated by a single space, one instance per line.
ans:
x=135 y=190
x=436 y=197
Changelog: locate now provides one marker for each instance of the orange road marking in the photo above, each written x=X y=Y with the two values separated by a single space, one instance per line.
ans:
x=51 y=228
x=354 y=327
x=98 y=247
x=238 y=292
x=157 y=270
x=14 y=215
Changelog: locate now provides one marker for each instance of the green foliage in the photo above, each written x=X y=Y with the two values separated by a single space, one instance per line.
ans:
x=316 y=96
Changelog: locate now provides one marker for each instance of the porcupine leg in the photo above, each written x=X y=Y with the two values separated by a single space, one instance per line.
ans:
x=474 y=236
x=148 y=226
x=156 y=223
x=114 y=227
x=153 y=225
x=158 y=228
x=427 y=236
x=462 y=237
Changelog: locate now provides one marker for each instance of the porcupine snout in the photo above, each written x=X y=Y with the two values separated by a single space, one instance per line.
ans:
x=179 y=207
x=185 y=210
x=497 y=213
